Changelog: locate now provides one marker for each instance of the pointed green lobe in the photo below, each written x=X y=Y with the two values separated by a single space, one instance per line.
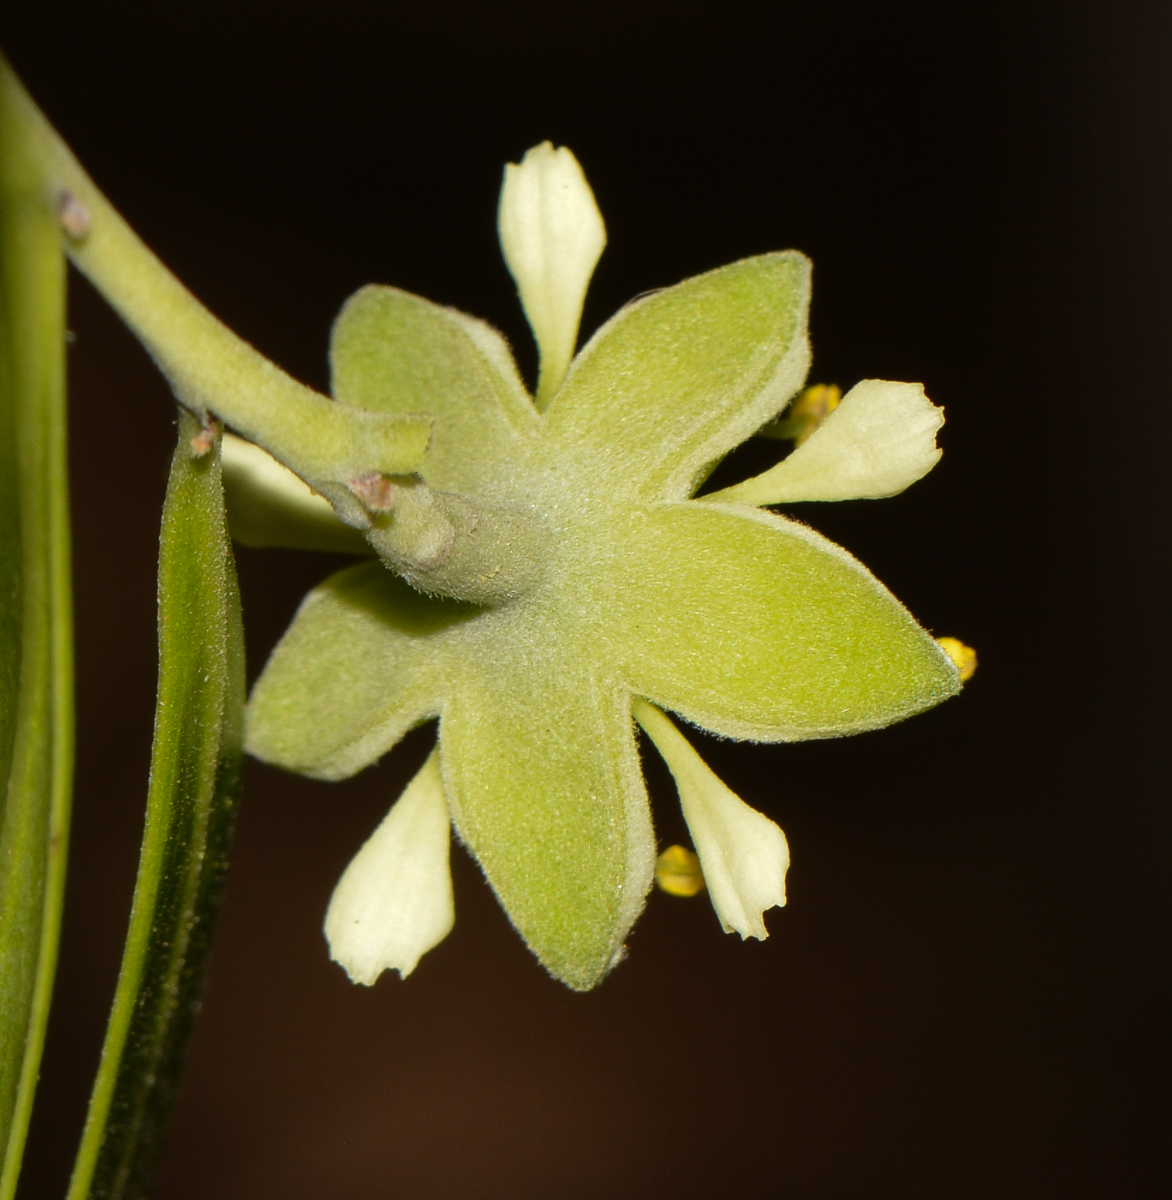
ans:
x=543 y=779
x=756 y=627
x=394 y=352
x=674 y=381
x=361 y=664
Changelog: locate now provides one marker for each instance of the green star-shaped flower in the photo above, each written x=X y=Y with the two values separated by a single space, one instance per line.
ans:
x=591 y=588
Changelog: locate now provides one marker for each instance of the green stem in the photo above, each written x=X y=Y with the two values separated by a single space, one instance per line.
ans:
x=358 y=459
x=210 y=369
x=36 y=651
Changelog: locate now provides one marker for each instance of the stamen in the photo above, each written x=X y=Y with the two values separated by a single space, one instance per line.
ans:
x=678 y=872
x=964 y=656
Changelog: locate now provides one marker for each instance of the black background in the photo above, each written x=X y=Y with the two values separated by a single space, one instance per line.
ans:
x=967 y=994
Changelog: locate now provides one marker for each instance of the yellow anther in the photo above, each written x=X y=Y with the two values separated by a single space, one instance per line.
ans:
x=964 y=656
x=812 y=406
x=677 y=872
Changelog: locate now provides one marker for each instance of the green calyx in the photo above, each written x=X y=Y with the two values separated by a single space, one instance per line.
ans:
x=739 y=620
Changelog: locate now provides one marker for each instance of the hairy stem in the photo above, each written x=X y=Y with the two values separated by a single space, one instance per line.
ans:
x=211 y=369
x=362 y=461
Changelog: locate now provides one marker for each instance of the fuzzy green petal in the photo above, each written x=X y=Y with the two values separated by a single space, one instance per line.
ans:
x=361 y=664
x=543 y=779
x=754 y=626
x=674 y=381
x=394 y=352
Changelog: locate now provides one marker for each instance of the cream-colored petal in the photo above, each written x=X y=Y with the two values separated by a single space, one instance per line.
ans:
x=394 y=901
x=552 y=236
x=879 y=440
x=269 y=506
x=744 y=855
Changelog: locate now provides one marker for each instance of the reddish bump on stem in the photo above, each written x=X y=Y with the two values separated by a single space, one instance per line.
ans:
x=72 y=215
x=206 y=438
x=375 y=490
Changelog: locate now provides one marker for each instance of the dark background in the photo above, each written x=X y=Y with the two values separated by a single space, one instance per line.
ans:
x=967 y=994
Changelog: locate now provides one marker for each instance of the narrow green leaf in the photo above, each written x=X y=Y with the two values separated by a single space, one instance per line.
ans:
x=36 y=664
x=191 y=809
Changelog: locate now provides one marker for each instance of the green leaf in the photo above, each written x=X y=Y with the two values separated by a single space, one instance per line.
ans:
x=191 y=810
x=754 y=626
x=394 y=352
x=361 y=664
x=36 y=667
x=543 y=780
x=673 y=382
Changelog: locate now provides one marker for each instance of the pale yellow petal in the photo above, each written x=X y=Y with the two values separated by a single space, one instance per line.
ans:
x=270 y=506
x=743 y=853
x=394 y=901
x=552 y=236
x=879 y=440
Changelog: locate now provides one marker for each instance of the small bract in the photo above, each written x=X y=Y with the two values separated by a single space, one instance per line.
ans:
x=576 y=585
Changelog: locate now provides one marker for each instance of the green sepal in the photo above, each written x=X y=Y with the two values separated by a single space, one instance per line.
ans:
x=543 y=779
x=756 y=627
x=191 y=810
x=362 y=663
x=540 y=768
x=393 y=352
x=36 y=647
x=674 y=381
